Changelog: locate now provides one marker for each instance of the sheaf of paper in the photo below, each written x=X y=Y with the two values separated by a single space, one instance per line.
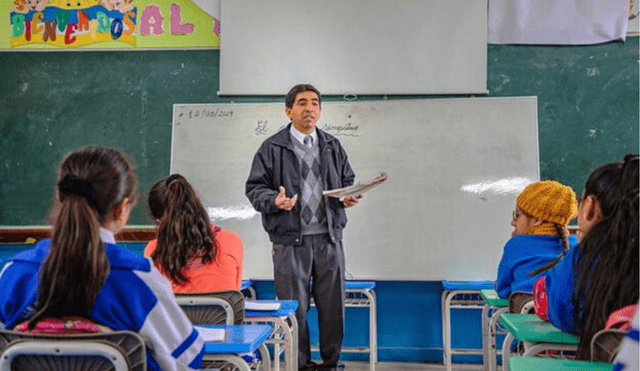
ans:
x=254 y=305
x=210 y=335
x=356 y=189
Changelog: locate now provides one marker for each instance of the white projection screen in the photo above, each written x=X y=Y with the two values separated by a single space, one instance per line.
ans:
x=354 y=46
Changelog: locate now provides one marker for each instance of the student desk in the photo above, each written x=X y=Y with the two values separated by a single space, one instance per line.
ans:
x=552 y=364
x=491 y=312
x=282 y=333
x=537 y=335
x=459 y=295
x=360 y=294
x=238 y=339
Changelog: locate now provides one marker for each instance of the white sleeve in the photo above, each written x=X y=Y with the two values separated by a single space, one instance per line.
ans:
x=171 y=338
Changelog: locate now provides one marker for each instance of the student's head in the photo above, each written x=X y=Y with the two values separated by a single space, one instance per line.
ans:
x=184 y=230
x=544 y=202
x=303 y=106
x=96 y=187
x=602 y=192
x=607 y=267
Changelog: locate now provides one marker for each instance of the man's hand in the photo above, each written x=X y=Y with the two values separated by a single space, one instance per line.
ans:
x=349 y=201
x=283 y=202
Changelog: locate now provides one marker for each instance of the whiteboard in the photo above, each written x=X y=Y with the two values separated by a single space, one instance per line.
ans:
x=455 y=167
x=353 y=47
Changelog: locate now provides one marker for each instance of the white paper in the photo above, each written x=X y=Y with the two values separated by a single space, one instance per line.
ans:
x=211 y=335
x=357 y=189
x=553 y=22
x=256 y=305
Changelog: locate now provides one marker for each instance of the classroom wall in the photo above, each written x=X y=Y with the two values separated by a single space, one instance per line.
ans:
x=53 y=102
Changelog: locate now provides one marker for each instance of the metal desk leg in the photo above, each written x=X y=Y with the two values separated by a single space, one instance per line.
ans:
x=506 y=349
x=373 y=331
x=293 y=344
x=493 y=333
x=446 y=329
x=486 y=343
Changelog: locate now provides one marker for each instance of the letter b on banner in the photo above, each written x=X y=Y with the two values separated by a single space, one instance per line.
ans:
x=17 y=24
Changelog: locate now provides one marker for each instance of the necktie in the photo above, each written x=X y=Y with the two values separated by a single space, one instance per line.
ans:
x=308 y=141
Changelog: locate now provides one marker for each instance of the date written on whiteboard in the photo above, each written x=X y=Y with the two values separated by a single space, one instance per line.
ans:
x=205 y=113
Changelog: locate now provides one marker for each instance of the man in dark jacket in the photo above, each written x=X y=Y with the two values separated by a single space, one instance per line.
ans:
x=288 y=174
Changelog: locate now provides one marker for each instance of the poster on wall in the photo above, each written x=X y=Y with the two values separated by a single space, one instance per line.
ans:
x=108 y=24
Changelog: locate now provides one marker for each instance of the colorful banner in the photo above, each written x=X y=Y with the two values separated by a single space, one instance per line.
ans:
x=106 y=24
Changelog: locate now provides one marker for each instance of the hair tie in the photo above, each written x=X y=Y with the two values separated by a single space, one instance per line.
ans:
x=72 y=184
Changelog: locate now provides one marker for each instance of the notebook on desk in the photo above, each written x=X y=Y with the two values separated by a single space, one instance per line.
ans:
x=210 y=335
x=260 y=306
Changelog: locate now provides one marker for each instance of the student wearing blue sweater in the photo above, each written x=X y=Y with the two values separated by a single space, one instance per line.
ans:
x=543 y=211
x=600 y=275
x=82 y=272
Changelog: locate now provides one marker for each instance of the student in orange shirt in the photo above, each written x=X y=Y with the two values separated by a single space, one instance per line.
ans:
x=193 y=254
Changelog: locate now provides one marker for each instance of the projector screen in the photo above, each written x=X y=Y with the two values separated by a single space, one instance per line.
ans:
x=353 y=47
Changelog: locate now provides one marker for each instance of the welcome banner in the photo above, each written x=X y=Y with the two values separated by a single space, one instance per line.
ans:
x=106 y=24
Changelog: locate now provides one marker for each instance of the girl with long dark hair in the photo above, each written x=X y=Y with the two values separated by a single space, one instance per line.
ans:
x=600 y=275
x=81 y=273
x=193 y=254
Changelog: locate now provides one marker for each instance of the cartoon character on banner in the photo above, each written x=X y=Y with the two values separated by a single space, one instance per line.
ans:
x=25 y=6
x=76 y=4
x=122 y=6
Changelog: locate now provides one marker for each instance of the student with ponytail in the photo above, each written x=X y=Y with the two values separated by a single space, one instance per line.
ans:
x=600 y=275
x=540 y=236
x=81 y=276
x=193 y=254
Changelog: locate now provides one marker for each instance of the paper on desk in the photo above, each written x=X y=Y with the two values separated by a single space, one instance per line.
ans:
x=258 y=306
x=356 y=189
x=211 y=335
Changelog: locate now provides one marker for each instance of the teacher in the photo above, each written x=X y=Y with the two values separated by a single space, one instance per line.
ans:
x=288 y=174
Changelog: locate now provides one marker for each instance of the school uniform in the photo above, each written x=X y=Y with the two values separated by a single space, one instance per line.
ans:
x=135 y=297
x=560 y=284
x=628 y=355
x=523 y=254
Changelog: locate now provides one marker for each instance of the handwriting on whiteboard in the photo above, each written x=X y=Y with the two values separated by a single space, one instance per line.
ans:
x=348 y=129
x=262 y=128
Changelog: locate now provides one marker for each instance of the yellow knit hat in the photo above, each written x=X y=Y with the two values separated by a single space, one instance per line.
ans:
x=550 y=201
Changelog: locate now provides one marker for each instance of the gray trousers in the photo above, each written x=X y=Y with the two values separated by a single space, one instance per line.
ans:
x=316 y=267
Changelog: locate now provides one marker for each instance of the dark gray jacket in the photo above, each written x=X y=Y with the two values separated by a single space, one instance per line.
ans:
x=275 y=164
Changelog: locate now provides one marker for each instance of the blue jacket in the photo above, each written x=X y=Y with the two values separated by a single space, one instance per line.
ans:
x=275 y=164
x=135 y=297
x=560 y=290
x=523 y=254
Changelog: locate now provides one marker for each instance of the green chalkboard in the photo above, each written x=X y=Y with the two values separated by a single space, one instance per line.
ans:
x=53 y=102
